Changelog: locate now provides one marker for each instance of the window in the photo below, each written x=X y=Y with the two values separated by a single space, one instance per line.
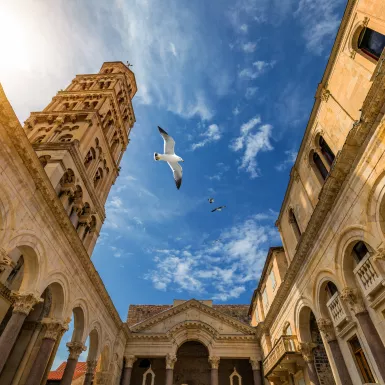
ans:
x=359 y=251
x=294 y=224
x=326 y=151
x=65 y=138
x=235 y=378
x=39 y=139
x=272 y=279
x=361 y=361
x=331 y=289
x=265 y=300
x=371 y=42
x=320 y=165
x=287 y=331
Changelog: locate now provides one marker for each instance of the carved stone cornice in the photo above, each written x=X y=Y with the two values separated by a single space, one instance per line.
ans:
x=24 y=301
x=338 y=176
x=75 y=349
x=354 y=300
x=214 y=361
x=129 y=361
x=185 y=325
x=192 y=304
x=170 y=361
x=54 y=328
x=306 y=349
x=325 y=325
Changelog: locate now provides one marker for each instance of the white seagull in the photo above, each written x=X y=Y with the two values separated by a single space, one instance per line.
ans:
x=220 y=208
x=170 y=157
x=211 y=200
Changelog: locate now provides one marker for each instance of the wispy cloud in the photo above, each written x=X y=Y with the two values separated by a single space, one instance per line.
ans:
x=221 y=269
x=222 y=169
x=212 y=134
x=249 y=47
x=258 y=69
x=251 y=143
x=250 y=92
x=291 y=156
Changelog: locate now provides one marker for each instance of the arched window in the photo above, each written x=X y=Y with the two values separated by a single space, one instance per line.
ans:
x=91 y=155
x=114 y=146
x=15 y=271
x=331 y=289
x=98 y=177
x=65 y=138
x=39 y=139
x=359 y=251
x=148 y=377
x=326 y=151
x=371 y=42
x=235 y=378
x=294 y=224
x=320 y=165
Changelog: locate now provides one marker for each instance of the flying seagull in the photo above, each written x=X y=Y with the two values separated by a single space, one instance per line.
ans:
x=220 y=208
x=170 y=157
x=211 y=200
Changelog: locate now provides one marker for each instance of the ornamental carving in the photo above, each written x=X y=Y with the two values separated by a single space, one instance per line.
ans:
x=325 y=95
x=24 y=302
x=54 y=328
x=170 y=361
x=354 y=299
x=214 y=361
x=306 y=349
x=255 y=364
x=129 y=361
x=5 y=260
x=91 y=366
x=325 y=326
x=75 y=349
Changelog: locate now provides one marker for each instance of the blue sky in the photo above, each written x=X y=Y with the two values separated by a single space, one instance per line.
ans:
x=232 y=81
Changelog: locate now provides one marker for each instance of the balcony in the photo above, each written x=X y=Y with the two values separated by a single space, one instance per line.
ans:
x=286 y=349
x=338 y=311
x=370 y=275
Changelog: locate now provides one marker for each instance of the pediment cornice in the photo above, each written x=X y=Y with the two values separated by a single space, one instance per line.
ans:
x=148 y=323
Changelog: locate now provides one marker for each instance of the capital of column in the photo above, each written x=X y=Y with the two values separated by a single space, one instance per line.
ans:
x=255 y=365
x=306 y=349
x=170 y=361
x=5 y=261
x=24 y=301
x=54 y=328
x=214 y=361
x=129 y=361
x=75 y=349
x=91 y=366
x=326 y=327
x=354 y=299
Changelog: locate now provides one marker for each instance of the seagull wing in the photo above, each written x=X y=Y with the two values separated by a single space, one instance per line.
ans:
x=177 y=171
x=214 y=209
x=169 y=142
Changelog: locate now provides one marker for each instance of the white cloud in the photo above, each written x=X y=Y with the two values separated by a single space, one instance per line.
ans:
x=244 y=28
x=252 y=144
x=223 y=168
x=249 y=47
x=236 y=111
x=258 y=69
x=220 y=269
x=173 y=49
x=250 y=92
x=291 y=156
x=212 y=134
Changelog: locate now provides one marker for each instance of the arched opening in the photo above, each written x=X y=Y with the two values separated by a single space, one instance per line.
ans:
x=326 y=151
x=39 y=139
x=371 y=43
x=320 y=168
x=192 y=363
x=90 y=157
x=294 y=224
x=308 y=332
x=98 y=177
x=44 y=160
x=65 y=138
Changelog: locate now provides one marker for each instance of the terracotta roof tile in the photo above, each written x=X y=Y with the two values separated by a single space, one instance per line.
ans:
x=57 y=374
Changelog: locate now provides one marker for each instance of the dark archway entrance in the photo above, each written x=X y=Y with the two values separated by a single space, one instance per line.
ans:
x=192 y=366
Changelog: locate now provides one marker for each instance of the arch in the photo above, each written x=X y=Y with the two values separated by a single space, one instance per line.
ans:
x=98 y=177
x=375 y=208
x=39 y=139
x=303 y=308
x=57 y=306
x=90 y=157
x=371 y=43
x=324 y=277
x=65 y=138
x=44 y=160
x=325 y=150
x=95 y=336
x=81 y=318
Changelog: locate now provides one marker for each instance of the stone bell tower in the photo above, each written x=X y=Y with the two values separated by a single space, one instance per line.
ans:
x=80 y=138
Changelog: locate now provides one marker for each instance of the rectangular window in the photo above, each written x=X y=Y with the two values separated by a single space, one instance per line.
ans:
x=360 y=359
x=272 y=279
x=265 y=300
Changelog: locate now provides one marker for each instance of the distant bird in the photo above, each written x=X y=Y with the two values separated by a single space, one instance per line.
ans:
x=170 y=157
x=220 y=208
x=211 y=200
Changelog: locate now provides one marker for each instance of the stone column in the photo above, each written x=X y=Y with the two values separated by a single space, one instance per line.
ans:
x=102 y=378
x=214 y=361
x=91 y=365
x=256 y=366
x=129 y=363
x=22 y=306
x=356 y=304
x=75 y=349
x=53 y=330
x=327 y=329
x=170 y=362
x=306 y=349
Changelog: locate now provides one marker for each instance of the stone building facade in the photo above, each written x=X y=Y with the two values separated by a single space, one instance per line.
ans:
x=318 y=314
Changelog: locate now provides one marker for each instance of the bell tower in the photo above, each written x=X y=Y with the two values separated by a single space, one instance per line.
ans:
x=80 y=138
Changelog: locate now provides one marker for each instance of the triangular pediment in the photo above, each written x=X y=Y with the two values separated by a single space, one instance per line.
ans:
x=189 y=313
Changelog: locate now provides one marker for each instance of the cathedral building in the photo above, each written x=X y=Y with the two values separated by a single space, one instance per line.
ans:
x=317 y=316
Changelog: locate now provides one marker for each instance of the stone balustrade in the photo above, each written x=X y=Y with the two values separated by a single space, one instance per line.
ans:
x=338 y=310
x=285 y=345
x=370 y=275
